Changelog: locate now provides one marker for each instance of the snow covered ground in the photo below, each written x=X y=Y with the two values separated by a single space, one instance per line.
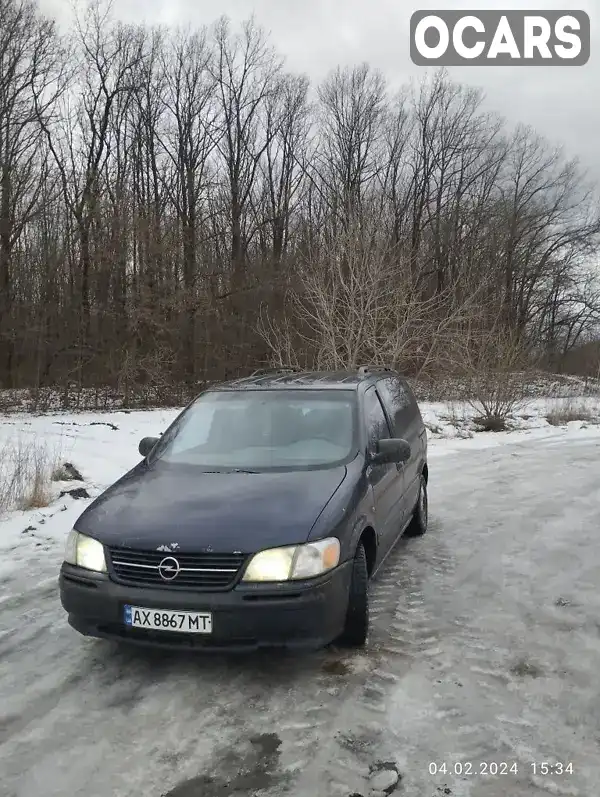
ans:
x=103 y=446
x=484 y=650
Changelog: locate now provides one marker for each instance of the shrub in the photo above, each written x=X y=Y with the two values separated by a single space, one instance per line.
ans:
x=26 y=469
x=570 y=409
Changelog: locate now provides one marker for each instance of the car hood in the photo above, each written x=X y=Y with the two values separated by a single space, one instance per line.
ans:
x=185 y=509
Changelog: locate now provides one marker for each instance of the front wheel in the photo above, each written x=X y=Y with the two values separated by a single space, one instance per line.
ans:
x=356 y=628
x=418 y=524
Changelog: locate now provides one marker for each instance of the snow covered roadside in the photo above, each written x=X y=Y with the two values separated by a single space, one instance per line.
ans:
x=103 y=446
x=452 y=428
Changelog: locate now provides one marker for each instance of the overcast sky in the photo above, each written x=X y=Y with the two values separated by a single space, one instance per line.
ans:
x=562 y=103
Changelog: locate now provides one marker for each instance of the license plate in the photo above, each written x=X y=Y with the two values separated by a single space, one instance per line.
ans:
x=168 y=620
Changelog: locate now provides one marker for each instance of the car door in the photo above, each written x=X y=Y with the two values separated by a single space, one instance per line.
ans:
x=385 y=480
x=407 y=424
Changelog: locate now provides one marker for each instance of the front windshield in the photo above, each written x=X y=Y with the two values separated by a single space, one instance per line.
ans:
x=262 y=430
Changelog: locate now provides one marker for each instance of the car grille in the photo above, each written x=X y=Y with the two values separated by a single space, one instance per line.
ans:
x=203 y=571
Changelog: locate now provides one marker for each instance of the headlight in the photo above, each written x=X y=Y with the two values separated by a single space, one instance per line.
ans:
x=294 y=562
x=85 y=552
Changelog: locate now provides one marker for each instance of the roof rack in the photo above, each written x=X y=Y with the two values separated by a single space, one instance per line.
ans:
x=363 y=370
x=267 y=371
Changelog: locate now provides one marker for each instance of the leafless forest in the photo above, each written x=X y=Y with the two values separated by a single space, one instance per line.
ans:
x=176 y=207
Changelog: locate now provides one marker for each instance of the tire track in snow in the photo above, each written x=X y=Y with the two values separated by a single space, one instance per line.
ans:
x=330 y=712
x=404 y=631
x=400 y=631
x=485 y=710
x=414 y=630
x=421 y=629
x=351 y=734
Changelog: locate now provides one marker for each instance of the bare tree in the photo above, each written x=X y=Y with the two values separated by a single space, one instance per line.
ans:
x=246 y=70
x=30 y=81
x=188 y=210
x=346 y=313
x=282 y=167
x=351 y=132
x=108 y=56
x=193 y=132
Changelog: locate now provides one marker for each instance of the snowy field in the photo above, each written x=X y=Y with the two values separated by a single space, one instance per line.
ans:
x=484 y=652
x=103 y=446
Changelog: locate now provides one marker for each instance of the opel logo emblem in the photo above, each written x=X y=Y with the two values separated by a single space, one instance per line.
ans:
x=169 y=568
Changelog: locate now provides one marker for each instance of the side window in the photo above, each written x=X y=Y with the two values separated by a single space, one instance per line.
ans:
x=399 y=402
x=377 y=425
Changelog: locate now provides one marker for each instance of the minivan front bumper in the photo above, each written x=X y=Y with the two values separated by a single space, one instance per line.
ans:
x=297 y=615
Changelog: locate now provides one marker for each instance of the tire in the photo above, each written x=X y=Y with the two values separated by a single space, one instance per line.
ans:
x=356 y=628
x=418 y=525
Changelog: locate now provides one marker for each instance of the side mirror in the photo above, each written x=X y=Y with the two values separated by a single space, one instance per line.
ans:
x=146 y=445
x=391 y=451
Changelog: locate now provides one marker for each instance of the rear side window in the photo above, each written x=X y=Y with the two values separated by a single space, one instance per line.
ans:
x=400 y=403
x=377 y=425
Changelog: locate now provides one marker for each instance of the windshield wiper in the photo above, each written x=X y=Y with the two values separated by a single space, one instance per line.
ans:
x=230 y=470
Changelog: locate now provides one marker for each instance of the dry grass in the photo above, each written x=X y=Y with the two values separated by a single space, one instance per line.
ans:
x=572 y=409
x=458 y=415
x=26 y=471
